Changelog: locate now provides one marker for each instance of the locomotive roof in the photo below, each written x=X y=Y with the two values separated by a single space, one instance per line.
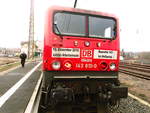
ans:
x=58 y=8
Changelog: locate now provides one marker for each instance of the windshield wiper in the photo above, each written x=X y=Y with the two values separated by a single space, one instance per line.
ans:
x=55 y=24
x=115 y=31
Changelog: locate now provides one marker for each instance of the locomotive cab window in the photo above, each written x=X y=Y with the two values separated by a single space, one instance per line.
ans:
x=69 y=24
x=102 y=27
x=74 y=24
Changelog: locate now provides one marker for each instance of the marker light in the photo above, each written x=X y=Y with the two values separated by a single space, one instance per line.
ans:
x=98 y=44
x=75 y=43
x=103 y=66
x=67 y=65
x=56 y=65
x=87 y=43
x=112 y=66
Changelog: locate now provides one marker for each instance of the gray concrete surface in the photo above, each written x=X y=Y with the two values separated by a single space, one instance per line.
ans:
x=7 y=80
x=19 y=100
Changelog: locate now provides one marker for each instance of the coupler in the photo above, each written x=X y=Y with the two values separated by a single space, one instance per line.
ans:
x=113 y=93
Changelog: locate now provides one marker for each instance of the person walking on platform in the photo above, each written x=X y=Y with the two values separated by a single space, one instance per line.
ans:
x=23 y=57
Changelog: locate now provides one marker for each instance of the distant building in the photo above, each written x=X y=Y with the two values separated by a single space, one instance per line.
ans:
x=9 y=51
x=37 y=47
x=121 y=58
x=24 y=47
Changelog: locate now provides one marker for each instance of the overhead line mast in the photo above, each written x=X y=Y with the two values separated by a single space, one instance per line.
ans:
x=31 y=31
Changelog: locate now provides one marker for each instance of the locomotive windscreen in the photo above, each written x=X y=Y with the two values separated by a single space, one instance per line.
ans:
x=74 y=24
x=70 y=24
x=101 y=27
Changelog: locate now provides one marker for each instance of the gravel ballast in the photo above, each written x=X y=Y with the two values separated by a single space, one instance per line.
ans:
x=131 y=105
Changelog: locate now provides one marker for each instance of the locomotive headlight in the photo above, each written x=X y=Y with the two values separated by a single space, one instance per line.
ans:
x=112 y=66
x=56 y=65
x=98 y=44
x=87 y=43
x=103 y=66
x=75 y=43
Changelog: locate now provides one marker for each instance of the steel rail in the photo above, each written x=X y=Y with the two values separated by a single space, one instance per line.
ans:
x=135 y=68
x=136 y=74
x=135 y=65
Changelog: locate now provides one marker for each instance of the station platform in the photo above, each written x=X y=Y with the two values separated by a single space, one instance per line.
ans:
x=18 y=101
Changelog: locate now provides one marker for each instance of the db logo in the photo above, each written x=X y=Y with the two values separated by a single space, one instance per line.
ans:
x=86 y=53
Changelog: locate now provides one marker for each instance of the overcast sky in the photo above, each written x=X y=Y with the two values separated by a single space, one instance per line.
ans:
x=133 y=14
x=14 y=22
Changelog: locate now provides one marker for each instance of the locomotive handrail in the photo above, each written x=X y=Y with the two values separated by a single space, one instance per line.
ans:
x=33 y=104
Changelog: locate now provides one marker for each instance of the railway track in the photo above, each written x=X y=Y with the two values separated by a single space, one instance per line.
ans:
x=6 y=63
x=7 y=60
x=137 y=70
x=81 y=108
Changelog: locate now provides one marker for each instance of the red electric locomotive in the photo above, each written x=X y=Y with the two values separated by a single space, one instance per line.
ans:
x=81 y=57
